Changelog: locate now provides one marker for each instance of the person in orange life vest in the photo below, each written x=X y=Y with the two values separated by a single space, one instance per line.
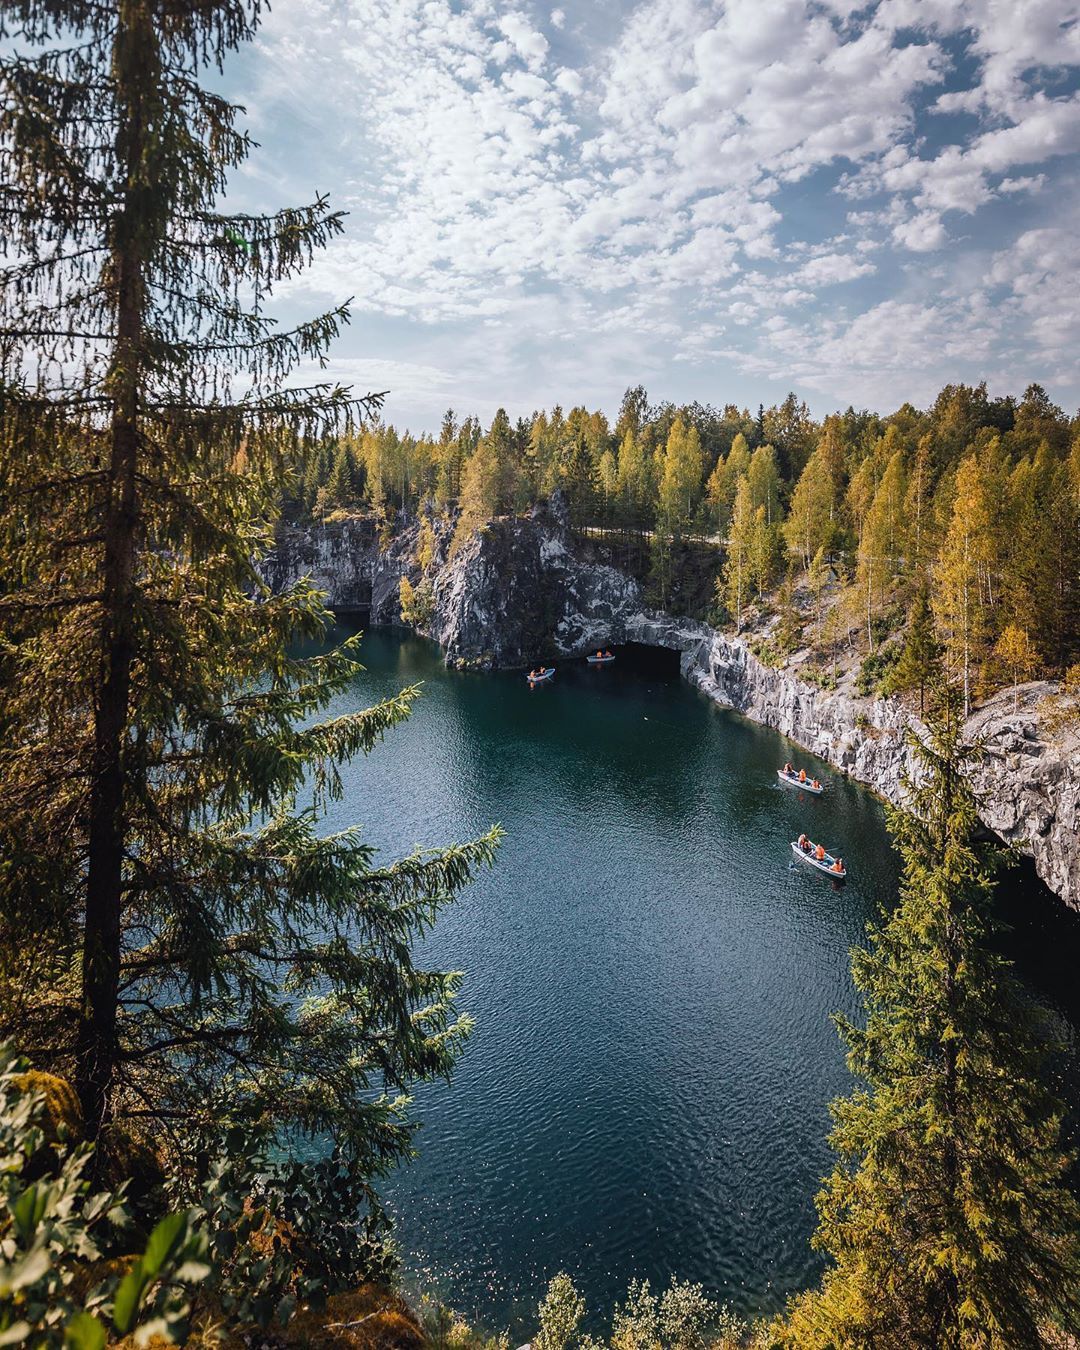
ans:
x=804 y=843
x=819 y=853
x=838 y=865
x=802 y=775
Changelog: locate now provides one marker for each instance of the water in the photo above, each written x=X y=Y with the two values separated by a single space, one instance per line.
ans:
x=651 y=974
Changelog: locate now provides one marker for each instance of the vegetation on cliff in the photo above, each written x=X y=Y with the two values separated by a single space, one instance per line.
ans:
x=970 y=508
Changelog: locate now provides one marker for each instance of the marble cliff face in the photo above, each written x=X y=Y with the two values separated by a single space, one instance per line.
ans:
x=521 y=590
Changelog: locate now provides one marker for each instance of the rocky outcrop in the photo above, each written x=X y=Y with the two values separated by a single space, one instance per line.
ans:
x=340 y=557
x=520 y=591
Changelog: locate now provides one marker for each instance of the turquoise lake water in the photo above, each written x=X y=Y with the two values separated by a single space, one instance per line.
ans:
x=651 y=974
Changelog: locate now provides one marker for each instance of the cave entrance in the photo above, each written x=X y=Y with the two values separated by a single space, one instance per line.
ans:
x=641 y=657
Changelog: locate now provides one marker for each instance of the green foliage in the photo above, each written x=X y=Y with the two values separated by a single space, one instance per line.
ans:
x=988 y=526
x=55 y=1230
x=445 y=1330
x=920 y=656
x=281 y=1232
x=948 y=1219
x=682 y=1318
x=876 y=670
x=417 y=602
x=559 y=1314
x=678 y=1320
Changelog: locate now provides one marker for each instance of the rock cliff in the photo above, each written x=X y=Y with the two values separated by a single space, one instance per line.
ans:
x=521 y=590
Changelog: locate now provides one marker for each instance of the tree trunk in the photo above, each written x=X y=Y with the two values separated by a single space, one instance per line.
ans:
x=97 y=1049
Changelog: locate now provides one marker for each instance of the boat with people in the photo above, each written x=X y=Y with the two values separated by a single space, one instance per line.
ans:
x=602 y=658
x=538 y=676
x=818 y=856
x=799 y=778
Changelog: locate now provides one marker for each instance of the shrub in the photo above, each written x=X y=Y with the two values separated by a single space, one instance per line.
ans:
x=417 y=602
x=560 y=1314
x=281 y=1232
x=873 y=677
x=56 y=1288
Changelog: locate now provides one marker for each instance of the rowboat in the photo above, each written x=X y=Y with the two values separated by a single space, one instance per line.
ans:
x=600 y=660
x=793 y=780
x=822 y=864
x=546 y=673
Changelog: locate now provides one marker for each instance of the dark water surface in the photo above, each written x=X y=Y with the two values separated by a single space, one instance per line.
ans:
x=652 y=980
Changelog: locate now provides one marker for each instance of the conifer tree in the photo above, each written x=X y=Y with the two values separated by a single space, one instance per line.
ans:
x=948 y=1219
x=959 y=597
x=920 y=657
x=810 y=520
x=736 y=576
x=578 y=481
x=479 y=492
x=203 y=952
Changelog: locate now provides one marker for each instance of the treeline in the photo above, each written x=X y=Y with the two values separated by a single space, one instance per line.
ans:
x=968 y=511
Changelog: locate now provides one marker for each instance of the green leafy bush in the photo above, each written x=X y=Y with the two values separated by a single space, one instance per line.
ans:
x=56 y=1288
x=282 y=1232
x=873 y=677
x=560 y=1314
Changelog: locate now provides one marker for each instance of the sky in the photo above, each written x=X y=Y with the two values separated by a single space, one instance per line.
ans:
x=722 y=200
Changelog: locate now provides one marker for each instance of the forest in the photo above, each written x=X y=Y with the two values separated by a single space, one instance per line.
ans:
x=958 y=524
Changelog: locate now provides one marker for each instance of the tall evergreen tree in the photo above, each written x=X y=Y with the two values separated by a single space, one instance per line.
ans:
x=734 y=584
x=809 y=525
x=960 y=599
x=920 y=657
x=202 y=951
x=948 y=1219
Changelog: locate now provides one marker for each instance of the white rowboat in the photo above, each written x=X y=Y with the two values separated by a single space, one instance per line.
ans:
x=793 y=780
x=822 y=864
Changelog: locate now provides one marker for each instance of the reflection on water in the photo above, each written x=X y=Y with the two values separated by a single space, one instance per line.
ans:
x=651 y=973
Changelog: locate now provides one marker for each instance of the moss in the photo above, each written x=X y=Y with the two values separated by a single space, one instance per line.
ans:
x=62 y=1116
x=369 y=1318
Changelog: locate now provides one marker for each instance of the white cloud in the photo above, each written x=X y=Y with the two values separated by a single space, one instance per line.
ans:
x=921 y=233
x=529 y=42
x=830 y=268
x=692 y=174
